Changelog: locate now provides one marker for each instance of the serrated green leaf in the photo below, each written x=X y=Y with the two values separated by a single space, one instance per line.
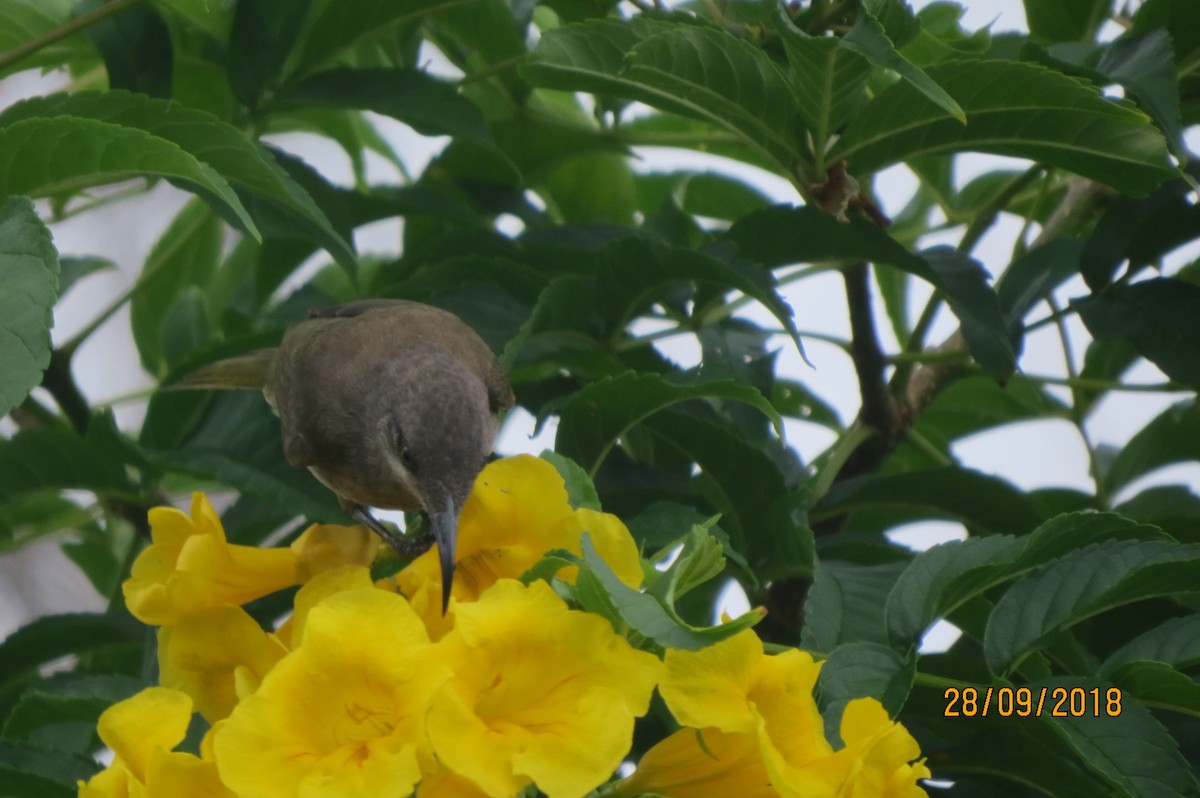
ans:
x=698 y=560
x=1176 y=642
x=46 y=708
x=581 y=493
x=428 y=105
x=1130 y=749
x=1033 y=276
x=979 y=500
x=1144 y=64
x=136 y=46
x=695 y=71
x=1065 y=20
x=247 y=166
x=595 y=417
x=861 y=670
x=649 y=617
x=54 y=457
x=868 y=39
x=22 y=21
x=239 y=444
x=845 y=603
x=1017 y=109
x=1158 y=685
x=185 y=255
x=338 y=25
x=1082 y=584
x=30 y=772
x=829 y=79
x=1157 y=316
x=29 y=274
x=758 y=502
x=42 y=157
x=260 y=39
x=54 y=636
x=965 y=284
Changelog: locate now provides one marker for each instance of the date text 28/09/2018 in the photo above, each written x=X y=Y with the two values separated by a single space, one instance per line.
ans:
x=1025 y=702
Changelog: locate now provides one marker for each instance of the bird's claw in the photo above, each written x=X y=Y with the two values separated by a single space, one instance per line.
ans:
x=407 y=546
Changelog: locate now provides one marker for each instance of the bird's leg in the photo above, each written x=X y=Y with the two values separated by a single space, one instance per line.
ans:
x=408 y=547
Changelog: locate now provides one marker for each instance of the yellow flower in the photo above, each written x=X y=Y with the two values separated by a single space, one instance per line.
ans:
x=323 y=547
x=695 y=763
x=759 y=713
x=517 y=511
x=540 y=694
x=216 y=656
x=190 y=566
x=141 y=731
x=343 y=713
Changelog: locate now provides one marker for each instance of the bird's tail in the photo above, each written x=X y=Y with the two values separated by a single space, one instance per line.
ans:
x=243 y=371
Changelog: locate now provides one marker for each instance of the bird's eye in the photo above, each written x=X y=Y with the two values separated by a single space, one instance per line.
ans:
x=402 y=449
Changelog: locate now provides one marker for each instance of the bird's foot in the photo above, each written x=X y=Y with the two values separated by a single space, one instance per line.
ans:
x=407 y=546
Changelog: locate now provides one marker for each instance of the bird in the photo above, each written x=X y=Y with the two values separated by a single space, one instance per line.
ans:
x=391 y=404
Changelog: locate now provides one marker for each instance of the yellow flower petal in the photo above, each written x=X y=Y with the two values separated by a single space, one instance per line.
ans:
x=201 y=654
x=507 y=524
x=343 y=714
x=447 y=784
x=321 y=587
x=881 y=751
x=180 y=775
x=322 y=547
x=190 y=566
x=611 y=538
x=694 y=763
x=544 y=694
x=155 y=718
x=711 y=687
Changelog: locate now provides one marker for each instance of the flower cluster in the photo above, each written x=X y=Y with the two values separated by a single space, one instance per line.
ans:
x=366 y=689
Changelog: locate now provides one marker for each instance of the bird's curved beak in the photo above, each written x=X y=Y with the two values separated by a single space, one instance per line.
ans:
x=445 y=534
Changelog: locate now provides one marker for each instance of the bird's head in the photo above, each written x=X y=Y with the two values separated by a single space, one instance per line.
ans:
x=437 y=436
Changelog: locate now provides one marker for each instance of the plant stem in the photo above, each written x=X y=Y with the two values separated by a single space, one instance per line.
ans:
x=492 y=70
x=64 y=30
x=986 y=217
x=836 y=456
x=1087 y=383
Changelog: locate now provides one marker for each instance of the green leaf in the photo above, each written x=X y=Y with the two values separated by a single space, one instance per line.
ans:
x=50 y=714
x=845 y=604
x=698 y=560
x=22 y=21
x=648 y=616
x=1065 y=20
x=338 y=25
x=1033 y=276
x=429 y=106
x=260 y=40
x=1082 y=584
x=581 y=493
x=1143 y=64
x=1017 y=109
x=1173 y=508
x=1172 y=437
x=56 y=457
x=186 y=255
x=964 y=281
x=29 y=516
x=36 y=773
x=248 y=167
x=868 y=39
x=861 y=670
x=1157 y=316
x=947 y=576
x=54 y=636
x=74 y=269
x=595 y=417
x=28 y=290
x=1131 y=749
x=829 y=79
x=45 y=157
x=695 y=71
x=1176 y=642
x=743 y=481
x=1158 y=685
x=239 y=444
x=136 y=47
x=980 y=501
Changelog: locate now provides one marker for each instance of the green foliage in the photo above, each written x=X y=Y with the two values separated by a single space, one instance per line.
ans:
x=536 y=222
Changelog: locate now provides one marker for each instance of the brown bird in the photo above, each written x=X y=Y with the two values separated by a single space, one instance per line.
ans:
x=391 y=404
